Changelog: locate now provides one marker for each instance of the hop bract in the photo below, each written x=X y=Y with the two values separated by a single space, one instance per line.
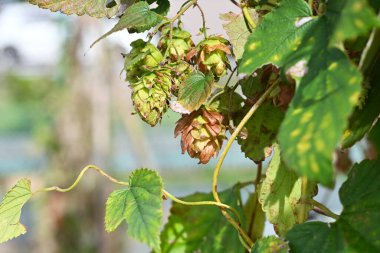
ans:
x=211 y=56
x=150 y=95
x=181 y=43
x=143 y=56
x=202 y=134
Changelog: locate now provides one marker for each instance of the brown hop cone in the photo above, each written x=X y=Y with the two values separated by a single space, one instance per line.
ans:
x=202 y=134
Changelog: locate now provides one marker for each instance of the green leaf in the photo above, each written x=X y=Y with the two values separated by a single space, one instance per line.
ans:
x=277 y=36
x=328 y=84
x=281 y=193
x=137 y=18
x=237 y=30
x=10 y=210
x=140 y=205
x=317 y=117
x=351 y=18
x=201 y=228
x=262 y=129
x=93 y=8
x=270 y=244
x=195 y=90
x=358 y=227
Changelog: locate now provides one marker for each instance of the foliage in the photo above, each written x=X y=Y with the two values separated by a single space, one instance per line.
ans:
x=10 y=210
x=307 y=82
x=356 y=230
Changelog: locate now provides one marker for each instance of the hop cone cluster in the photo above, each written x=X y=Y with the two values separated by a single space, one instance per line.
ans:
x=150 y=84
x=202 y=134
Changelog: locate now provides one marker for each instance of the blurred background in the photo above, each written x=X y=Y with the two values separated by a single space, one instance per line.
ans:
x=64 y=106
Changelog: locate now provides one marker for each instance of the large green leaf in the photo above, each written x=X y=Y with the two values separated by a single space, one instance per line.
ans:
x=328 y=84
x=281 y=193
x=270 y=244
x=140 y=205
x=277 y=36
x=195 y=90
x=358 y=227
x=201 y=228
x=10 y=210
x=137 y=18
x=350 y=18
x=262 y=129
x=237 y=30
x=93 y=8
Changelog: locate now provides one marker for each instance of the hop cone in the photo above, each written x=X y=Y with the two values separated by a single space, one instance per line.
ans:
x=202 y=134
x=150 y=95
x=212 y=56
x=142 y=57
x=181 y=43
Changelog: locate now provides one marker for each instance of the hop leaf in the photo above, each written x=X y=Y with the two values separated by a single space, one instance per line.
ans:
x=10 y=210
x=140 y=205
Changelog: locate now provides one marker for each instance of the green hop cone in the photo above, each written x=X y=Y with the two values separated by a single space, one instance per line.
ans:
x=143 y=56
x=202 y=133
x=181 y=43
x=211 y=55
x=150 y=95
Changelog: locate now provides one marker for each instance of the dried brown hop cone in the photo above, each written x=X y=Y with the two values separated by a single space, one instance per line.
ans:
x=211 y=55
x=202 y=133
x=150 y=96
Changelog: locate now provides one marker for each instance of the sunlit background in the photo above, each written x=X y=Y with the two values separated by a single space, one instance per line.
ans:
x=64 y=105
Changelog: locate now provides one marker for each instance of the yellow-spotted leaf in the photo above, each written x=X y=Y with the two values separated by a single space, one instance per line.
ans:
x=328 y=84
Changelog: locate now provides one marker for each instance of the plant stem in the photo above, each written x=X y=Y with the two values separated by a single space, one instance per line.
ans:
x=324 y=209
x=203 y=21
x=224 y=153
x=183 y=9
x=258 y=174
x=235 y=3
x=248 y=16
x=112 y=179
x=230 y=77
x=303 y=213
x=88 y=167
x=233 y=137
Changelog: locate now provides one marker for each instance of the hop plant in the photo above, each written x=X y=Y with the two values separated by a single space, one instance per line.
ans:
x=202 y=134
x=180 y=45
x=143 y=57
x=150 y=95
x=211 y=55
